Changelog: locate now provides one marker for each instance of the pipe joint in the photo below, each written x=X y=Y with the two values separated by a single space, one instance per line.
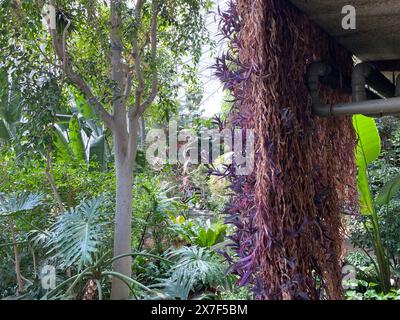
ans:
x=363 y=74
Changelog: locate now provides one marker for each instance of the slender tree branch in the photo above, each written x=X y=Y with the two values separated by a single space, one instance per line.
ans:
x=32 y=250
x=128 y=86
x=52 y=182
x=154 y=85
x=17 y=257
x=133 y=136
x=136 y=54
x=60 y=49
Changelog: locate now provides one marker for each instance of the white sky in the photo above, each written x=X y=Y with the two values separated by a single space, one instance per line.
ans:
x=213 y=94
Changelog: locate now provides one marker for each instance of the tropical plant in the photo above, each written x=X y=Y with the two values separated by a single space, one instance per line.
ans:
x=10 y=107
x=16 y=202
x=368 y=150
x=211 y=234
x=388 y=191
x=194 y=269
x=370 y=293
x=153 y=207
x=95 y=277
x=80 y=239
x=79 y=235
x=151 y=41
x=200 y=233
x=10 y=205
x=86 y=145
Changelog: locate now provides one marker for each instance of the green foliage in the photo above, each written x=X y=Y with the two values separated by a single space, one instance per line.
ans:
x=388 y=191
x=98 y=153
x=368 y=150
x=79 y=234
x=194 y=269
x=99 y=273
x=152 y=206
x=211 y=235
x=200 y=233
x=76 y=139
x=17 y=202
x=71 y=146
x=369 y=142
x=10 y=107
x=371 y=294
x=58 y=122
x=237 y=293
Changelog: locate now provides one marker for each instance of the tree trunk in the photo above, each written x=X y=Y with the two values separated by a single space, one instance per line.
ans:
x=123 y=217
x=20 y=282
x=53 y=185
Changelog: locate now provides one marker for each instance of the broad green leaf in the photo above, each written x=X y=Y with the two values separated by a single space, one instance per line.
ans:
x=61 y=143
x=75 y=139
x=364 y=191
x=4 y=134
x=83 y=107
x=97 y=153
x=10 y=99
x=77 y=235
x=367 y=150
x=388 y=191
x=3 y=90
x=369 y=142
x=12 y=109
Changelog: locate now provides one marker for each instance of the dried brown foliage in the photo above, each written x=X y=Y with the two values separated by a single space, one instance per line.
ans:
x=289 y=212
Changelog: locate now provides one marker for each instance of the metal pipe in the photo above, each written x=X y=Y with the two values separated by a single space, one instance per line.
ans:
x=315 y=71
x=359 y=80
x=361 y=72
x=379 y=107
x=380 y=83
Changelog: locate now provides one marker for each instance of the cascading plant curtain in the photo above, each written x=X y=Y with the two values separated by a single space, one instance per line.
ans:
x=288 y=213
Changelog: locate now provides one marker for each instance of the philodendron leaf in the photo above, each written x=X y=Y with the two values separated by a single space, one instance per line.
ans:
x=16 y=202
x=388 y=191
x=77 y=236
x=369 y=142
